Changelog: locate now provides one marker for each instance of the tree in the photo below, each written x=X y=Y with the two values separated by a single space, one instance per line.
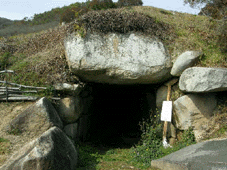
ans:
x=214 y=8
x=194 y=3
x=130 y=2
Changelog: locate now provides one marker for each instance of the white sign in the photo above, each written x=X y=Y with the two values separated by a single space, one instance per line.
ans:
x=166 y=113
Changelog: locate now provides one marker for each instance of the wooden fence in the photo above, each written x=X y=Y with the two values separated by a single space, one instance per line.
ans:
x=16 y=93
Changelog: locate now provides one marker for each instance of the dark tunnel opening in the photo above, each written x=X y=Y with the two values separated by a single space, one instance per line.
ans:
x=117 y=111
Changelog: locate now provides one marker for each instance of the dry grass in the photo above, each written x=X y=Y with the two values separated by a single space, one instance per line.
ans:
x=14 y=29
x=124 y=21
x=13 y=142
x=44 y=56
x=194 y=32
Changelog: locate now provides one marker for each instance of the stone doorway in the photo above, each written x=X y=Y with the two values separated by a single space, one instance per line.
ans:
x=116 y=112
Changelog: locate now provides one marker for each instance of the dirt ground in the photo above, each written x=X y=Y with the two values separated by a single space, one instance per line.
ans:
x=8 y=111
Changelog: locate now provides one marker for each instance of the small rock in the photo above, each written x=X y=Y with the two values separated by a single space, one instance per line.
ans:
x=70 y=109
x=202 y=79
x=194 y=110
x=185 y=60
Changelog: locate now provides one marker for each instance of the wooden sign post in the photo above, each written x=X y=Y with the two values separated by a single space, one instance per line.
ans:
x=166 y=113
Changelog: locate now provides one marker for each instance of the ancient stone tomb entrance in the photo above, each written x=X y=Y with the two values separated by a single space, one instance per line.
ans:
x=116 y=111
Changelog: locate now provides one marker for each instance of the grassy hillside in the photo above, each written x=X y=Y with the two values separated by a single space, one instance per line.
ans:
x=36 y=54
x=5 y=22
x=40 y=56
x=38 y=22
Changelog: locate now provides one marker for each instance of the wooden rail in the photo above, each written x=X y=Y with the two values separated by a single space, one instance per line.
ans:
x=15 y=93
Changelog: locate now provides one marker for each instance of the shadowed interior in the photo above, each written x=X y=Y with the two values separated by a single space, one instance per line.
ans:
x=116 y=113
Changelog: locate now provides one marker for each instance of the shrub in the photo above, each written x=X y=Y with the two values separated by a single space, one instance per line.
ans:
x=70 y=14
x=101 y=4
x=151 y=142
x=122 y=3
x=151 y=147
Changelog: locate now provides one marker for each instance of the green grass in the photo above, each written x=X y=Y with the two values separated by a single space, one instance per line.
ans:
x=91 y=157
x=139 y=156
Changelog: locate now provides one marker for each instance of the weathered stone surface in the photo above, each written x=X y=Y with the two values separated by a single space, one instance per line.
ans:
x=118 y=58
x=171 y=130
x=201 y=79
x=70 y=109
x=194 y=110
x=71 y=130
x=52 y=150
x=83 y=128
x=162 y=91
x=65 y=86
x=185 y=60
x=205 y=155
x=172 y=141
x=161 y=96
x=41 y=115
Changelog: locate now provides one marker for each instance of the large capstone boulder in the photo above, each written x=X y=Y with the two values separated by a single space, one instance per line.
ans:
x=194 y=110
x=118 y=58
x=205 y=155
x=185 y=60
x=202 y=79
x=52 y=150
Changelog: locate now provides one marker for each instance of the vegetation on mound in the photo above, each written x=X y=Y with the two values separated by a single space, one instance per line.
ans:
x=97 y=5
x=122 y=3
x=40 y=56
x=70 y=15
x=123 y=21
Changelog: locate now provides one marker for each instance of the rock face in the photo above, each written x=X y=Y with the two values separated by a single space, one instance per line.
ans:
x=185 y=60
x=41 y=115
x=70 y=109
x=66 y=86
x=194 y=110
x=118 y=58
x=71 y=130
x=201 y=79
x=161 y=96
x=205 y=155
x=162 y=92
x=52 y=150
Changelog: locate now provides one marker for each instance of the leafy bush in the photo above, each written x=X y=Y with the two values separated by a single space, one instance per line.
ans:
x=122 y=3
x=72 y=13
x=101 y=5
x=151 y=147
